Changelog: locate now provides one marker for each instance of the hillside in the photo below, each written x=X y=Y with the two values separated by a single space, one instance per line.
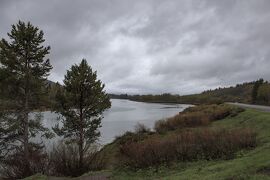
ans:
x=240 y=93
x=247 y=164
x=254 y=164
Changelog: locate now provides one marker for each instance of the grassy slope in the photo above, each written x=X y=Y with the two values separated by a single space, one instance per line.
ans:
x=246 y=166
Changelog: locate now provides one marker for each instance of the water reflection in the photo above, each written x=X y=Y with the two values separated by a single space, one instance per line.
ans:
x=123 y=116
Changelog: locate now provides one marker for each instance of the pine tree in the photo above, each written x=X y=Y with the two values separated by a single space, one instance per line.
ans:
x=81 y=106
x=255 y=89
x=23 y=70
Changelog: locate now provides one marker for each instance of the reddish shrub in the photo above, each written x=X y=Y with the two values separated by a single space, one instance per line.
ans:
x=187 y=146
x=196 y=116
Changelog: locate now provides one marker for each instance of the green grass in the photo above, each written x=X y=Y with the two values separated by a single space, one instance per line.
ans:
x=253 y=164
x=36 y=177
x=246 y=166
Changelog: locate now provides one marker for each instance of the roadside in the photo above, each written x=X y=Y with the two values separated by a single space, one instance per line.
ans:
x=252 y=106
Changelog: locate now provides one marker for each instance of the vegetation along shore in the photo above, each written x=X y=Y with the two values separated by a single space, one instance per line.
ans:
x=211 y=140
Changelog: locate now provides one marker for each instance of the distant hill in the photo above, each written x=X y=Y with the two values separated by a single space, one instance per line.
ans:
x=243 y=93
x=256 y=92
x=239 y=93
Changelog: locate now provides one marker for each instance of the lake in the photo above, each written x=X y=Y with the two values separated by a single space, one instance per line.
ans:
x=123 y=116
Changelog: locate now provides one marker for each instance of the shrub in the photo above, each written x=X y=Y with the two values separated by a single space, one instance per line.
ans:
x=140 y=133
x=161 y=126
x=141 y=128
x=187 y=146
x=64 y=161
x=131 y=137
x=196 y=116
x=13 y=166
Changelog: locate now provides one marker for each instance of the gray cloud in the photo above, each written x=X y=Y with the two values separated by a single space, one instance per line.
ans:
x=153 y=46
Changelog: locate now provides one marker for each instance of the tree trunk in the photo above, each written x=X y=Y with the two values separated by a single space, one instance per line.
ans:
x=26 y=135
x=81 y=140
x=26 y=119
x=81 y=151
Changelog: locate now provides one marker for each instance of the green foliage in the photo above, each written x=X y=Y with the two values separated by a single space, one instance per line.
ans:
x=238 y=93
x=53 y=91
x=81 y=104
x=261 y=92
x=23 y=70
x=263 y=95
x=22 y=64
x=255 y=89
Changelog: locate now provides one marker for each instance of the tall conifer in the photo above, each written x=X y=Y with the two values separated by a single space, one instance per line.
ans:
x=81 y=106
x=23 y=69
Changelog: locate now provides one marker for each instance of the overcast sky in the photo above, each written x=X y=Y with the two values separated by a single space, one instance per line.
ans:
x=152 y=46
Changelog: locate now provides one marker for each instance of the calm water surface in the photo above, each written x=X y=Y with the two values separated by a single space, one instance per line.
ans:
x=123 y=116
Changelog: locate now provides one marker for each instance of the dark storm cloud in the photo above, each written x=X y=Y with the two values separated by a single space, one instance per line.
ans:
x=153 y=46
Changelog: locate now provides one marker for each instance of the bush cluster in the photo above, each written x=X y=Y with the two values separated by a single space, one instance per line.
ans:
x=14 y=166
x=62 y=160
x=130 y=137
x=189 y=145
x=196 y=116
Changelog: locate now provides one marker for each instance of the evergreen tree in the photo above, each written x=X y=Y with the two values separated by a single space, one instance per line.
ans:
x=23 y=70
x=81 y=106
x=263 y=96
x=255 y=89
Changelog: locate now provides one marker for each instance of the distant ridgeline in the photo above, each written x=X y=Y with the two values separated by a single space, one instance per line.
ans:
x=256 y=92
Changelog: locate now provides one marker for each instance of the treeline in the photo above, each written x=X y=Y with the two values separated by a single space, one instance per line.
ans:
x=256 y=92
x=162 y=98
x=261 y=92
